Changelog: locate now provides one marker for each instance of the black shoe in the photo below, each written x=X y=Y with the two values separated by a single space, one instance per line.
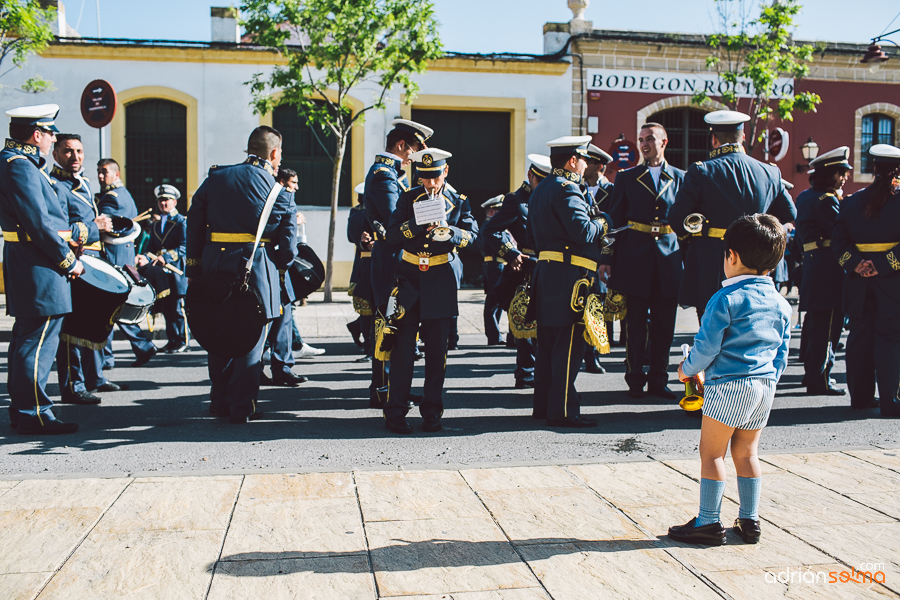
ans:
x=143 y=360
x=874 y=403
x=364 y=359
x=398 y=425
x=828 y=390
x=431 y=424
x=29 y=425
x=453 y=346
x=289 y=380
x=592 y=365
x=355 y=332
x=254 y=416
x=176 y=348
x=109 y=386
x=705 y=535
x=420 y=355
x=578 y=421
x=636 y=392
x=890 y=409
x=221 y=413
x=521 y=384
x=496 y=343
x=661 y=391
x=748 y=529
x=265 y=380
x=85 y=398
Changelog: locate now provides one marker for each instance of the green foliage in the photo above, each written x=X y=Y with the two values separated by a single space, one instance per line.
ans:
x=760 y=51
x=338 y=45
x=25 y=29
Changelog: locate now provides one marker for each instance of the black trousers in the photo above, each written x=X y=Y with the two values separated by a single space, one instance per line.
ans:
x=559 y=356
x=435 y=334
x=367 y=326
x=492 y=314
x=873 y=354
x=525 y=357
x=235 y=381
x=662 y=311
x=818 y=340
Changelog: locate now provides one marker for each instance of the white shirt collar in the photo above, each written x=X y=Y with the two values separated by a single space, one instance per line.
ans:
x=739 y=278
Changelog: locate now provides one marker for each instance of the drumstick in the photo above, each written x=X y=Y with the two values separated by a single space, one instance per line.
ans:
x=143 y=216
x=175 y=270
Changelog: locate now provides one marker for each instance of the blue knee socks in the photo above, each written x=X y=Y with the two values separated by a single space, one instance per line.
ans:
x=748 y=491
x=711 y=492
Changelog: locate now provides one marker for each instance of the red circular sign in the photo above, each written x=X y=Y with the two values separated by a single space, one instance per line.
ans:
x=98 y=103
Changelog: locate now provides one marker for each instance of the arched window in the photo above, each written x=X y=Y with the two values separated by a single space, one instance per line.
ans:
x=876 y=129
x=688 y=135
x=309 y=151
x=155 y=148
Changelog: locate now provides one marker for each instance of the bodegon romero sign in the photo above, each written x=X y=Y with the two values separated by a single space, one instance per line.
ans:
x=660 y=82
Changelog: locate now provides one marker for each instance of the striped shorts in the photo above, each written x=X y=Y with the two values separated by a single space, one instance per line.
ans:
x=742 y=403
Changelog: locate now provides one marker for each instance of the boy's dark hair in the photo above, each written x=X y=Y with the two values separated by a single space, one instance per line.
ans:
x=62 y=138
x=263 y=140
x=108 y=161
x=820 y=178
x=284 y=175
x=759 y=240
x=396 y=136
x=20 y=132
x=558 y=161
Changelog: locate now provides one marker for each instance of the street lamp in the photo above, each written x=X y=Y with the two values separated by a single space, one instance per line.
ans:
x=875 y=56
x=809 y=151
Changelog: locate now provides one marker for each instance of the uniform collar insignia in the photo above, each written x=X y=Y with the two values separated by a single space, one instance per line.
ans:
x=23 y=148
x=727 y=149
x=116 y=184
x=526 y=187
x=61 y=173
x=260 y=162
x=574 y=177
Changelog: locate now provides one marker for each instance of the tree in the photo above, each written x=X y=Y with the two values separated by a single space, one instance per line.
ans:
x=332 y=47
x=24 y=30
x=758 y=52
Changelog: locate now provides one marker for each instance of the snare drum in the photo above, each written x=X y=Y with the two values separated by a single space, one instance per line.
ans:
x=97 y=298
x=138 y=305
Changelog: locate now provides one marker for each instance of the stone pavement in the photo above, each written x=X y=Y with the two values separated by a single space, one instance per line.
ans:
x=566 y=531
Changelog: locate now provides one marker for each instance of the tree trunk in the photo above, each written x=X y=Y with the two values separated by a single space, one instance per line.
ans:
x=335 y=182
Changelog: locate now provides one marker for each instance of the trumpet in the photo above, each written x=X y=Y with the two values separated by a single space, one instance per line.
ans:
x=441 y=231
x=694 y=222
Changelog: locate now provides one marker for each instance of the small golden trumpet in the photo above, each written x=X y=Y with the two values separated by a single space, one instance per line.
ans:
x=693 y=223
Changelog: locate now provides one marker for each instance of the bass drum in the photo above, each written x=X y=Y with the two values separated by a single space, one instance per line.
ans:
x=159 y=280
x=139 y=303
x=307 y=272
x=97 y=299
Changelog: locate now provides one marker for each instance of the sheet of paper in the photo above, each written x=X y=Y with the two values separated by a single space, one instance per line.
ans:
x=429 y=211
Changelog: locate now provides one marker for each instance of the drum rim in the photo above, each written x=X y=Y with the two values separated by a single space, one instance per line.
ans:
x=98 y=264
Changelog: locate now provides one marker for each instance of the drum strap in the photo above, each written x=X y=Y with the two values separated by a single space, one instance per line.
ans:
x=263 y=221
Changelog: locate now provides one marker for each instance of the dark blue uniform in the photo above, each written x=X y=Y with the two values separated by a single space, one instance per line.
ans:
x=227 y=206
x=821 y=287
x=168 y=240
x=361 y=277
x=281 y=331
x=491 y=271
x=600 y=197
x=79 y=369
x=427 y=294
x=645 y=265
x=36 y=260
x=509 y=225
x=384 y=184
x=723 y=188
x=871 y=303
x=568 y=245
x=116 y=201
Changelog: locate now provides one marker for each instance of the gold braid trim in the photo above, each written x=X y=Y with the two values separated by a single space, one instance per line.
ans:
x=615 y=306
x=194 y=262
x=65 y=337
x=595 y=332
x=351 y=289
x=843 y=259
x=518 y=308
x=362 y=306
x=68 y=261
x=406 y=232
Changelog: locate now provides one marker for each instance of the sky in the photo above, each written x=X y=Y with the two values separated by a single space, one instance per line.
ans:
x=485 y=26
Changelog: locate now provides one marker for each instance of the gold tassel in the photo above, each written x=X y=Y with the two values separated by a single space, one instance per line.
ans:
x=362 y=307
x=82 y=342
x=595 y=332
x=615 y=306
x=379 y=337
x=518 y=308
x=351 y=289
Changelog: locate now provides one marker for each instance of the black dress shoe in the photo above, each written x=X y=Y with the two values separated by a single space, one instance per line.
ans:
x=355 y=330
x=636 y=392
x=109 y=386
x=748 y=529
x=431 y=424
x=828 y=390
x=143 y=360
x=592 y=365
x=578 y=421
x=29 y=425
x=265 y=380
x=398 y=425
x=254 y=416
x=874 y=403
x=85 y=398
x=521 y=384
x=661 y=391
x=705 y=535
x=289 y=380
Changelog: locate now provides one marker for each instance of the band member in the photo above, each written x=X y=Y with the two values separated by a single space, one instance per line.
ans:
x=36 y=263
x=822 y=284
x=491 y=272
x=80 y=370
x=600 y=189
x=359 y=233
x=115 y=201
x=222 y=224
x=865 y=239
x=511 y=221
x=749 y=186
x=383 y=186
x=645 y=262
x=568 y=243
x=168 y=236
x=426 y=289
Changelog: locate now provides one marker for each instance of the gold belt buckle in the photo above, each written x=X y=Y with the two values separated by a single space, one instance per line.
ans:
x=424 y=261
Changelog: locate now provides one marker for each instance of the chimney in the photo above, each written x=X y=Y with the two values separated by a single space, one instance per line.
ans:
x=225 y=27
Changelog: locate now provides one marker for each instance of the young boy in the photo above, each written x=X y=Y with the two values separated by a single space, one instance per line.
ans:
x=742 y=345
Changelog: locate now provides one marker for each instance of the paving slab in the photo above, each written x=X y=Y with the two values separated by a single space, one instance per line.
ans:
x=288 y=579
x=290 y=486
x=444 y=556
x=638 y=484
x=40 y=540
x=138 y=565
x=885 y=502
x=839 y=472
x=796 y=583
x=691 y=467
x=393 y=496
x=533 y=478
x=512 y=594
x=37 y=494
x=22 y=586
x=890 y=459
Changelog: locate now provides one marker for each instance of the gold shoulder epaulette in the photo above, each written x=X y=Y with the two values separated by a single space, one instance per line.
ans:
x=463 y=196
x=698 y=163
x=825 y=195
x=14 y=157
x=113 y=194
